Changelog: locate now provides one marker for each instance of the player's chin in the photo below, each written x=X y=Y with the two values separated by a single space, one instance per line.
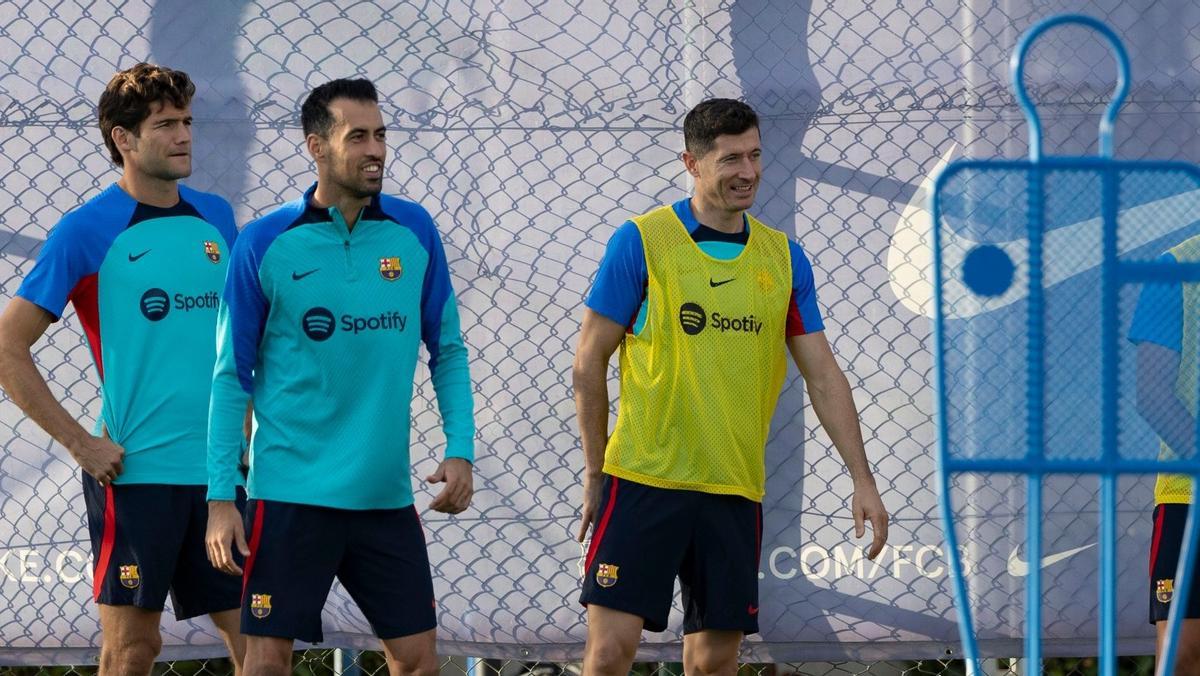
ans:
x=741 y=204
x=177 y=170
x=370 y=187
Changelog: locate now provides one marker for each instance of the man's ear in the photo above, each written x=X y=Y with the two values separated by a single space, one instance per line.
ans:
x=691 y=163
x=316 y=146
x=123 y=139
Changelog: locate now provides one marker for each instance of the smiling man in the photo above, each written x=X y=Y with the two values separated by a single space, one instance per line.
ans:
x=703 y=300
x=142 y=263
x=327 y=301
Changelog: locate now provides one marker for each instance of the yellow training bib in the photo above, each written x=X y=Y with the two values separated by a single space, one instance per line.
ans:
x=700 y=382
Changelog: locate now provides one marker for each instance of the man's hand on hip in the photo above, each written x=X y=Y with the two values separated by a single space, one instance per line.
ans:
x=99 y=457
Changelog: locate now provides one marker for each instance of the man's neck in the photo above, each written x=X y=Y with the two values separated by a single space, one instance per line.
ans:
x=718 y=219
x=349 y=206
x=156 y=192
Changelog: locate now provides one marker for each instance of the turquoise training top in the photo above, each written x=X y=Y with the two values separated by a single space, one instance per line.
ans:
x=145 y=283
x=320 y=326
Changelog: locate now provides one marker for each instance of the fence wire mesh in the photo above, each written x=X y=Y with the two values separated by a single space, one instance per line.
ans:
x=531 y=131
x=346 y=663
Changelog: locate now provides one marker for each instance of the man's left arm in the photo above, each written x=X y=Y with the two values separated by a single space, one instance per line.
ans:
x=830 y=394
x=451 y=375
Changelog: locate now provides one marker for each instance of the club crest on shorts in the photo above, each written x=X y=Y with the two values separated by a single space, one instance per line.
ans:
x=606 y=575
x=1164 y=590
x=129 y=577
x=260 y=605
x=390 y=268
x=212 y=251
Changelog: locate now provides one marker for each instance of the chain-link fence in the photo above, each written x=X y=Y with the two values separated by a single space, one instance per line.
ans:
x=346 y=663
x=532 y=130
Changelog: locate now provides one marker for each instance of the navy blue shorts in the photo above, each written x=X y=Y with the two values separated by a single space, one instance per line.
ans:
x=148 y=540
x=379 y=555
x=645 y=537
x=1170 y=523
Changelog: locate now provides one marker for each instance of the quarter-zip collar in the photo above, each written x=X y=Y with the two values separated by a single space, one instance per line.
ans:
x=314 y=213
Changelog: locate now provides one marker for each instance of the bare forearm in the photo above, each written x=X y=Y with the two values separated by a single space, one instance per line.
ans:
x=26 y=387
x=591 y=406
x=834 y=405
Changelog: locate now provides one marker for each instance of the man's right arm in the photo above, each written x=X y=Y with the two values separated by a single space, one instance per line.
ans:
x=227 y=411
x=1157 y=330
x=240 y=320
x=1157 y=371
x=21 y=325
x=598 y=339
x=617 y=293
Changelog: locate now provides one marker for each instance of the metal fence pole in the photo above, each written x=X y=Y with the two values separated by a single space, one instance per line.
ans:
x=345 y=662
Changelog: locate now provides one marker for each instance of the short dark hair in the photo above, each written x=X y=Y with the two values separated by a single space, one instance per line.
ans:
x=127 y=99
x=315 y=117
x=715 y=117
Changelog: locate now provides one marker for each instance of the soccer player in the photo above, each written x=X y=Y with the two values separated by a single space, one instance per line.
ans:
x=327 y=300
x=143 y=263
x=702 y=298
x=1167 y=318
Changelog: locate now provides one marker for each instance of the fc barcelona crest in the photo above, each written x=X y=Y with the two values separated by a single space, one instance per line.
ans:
x=1164 y=590
x=260 y=605
x=129 y=577
x=212 y=251
x=390 y=268
x=606 y=575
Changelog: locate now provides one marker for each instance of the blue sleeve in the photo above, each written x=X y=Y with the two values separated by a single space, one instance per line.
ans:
x=442 y=335
x=241 y=318
x=1158 y=317
x=69 y=254
x=620 y=284
x=803 y=314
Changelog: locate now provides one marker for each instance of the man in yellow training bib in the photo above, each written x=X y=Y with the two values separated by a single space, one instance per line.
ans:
x=702 y=298
x=1166 y=330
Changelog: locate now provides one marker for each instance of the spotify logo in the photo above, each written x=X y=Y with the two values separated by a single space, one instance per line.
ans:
x=318 y=324
x=155 y=304
x=692 y=318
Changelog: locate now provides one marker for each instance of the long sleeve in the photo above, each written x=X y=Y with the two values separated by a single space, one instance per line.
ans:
x=442 y=334
x=452 y=385
x=240 y=320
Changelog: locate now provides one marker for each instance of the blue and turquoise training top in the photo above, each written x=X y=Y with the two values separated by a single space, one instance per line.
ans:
x=145 y=282
x=320 y=326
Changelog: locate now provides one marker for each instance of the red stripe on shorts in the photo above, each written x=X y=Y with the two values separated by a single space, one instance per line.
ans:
x=599 y=533
x=1158 y=526
x=255 y=539
x=106 y=541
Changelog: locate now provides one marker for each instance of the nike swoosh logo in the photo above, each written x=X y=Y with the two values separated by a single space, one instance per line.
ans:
x=716 y=284
x=133 y=259
x=752 y=609
x=297 y=276
x=1019 y=568
x=910 y=256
